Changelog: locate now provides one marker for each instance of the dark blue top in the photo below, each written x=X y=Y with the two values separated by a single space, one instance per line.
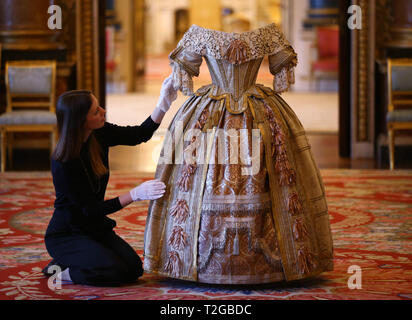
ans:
x=80 y=206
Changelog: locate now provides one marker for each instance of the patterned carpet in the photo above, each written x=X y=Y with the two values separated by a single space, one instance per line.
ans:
x=371 y=216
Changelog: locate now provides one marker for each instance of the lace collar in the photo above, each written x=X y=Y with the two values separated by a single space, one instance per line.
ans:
x=234 y=47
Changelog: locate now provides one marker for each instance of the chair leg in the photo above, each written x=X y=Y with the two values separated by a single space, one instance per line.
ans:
x=3 y=150
x=391 y=149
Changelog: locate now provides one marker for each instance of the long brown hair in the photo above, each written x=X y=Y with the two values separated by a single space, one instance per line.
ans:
x=71 y=112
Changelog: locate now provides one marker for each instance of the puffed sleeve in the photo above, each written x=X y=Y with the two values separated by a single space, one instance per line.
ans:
x=282 y=66
x=185 y=64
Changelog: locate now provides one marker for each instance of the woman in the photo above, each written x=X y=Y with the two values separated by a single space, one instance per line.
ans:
x=80 y=236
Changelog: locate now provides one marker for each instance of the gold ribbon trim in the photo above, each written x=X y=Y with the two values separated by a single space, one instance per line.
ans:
x=232 y=105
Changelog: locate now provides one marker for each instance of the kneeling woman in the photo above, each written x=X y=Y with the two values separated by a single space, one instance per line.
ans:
x=80 y=236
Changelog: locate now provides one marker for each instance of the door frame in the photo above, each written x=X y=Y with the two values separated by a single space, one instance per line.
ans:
x=344 y=80
x=91 y=48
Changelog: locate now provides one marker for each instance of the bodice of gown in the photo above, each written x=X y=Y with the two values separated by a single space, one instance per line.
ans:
x=231 y=78
x=233 y=60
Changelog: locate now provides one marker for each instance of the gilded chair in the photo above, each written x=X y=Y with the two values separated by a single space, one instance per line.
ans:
x=30 y=93
x=399 y=115
x=325 y=56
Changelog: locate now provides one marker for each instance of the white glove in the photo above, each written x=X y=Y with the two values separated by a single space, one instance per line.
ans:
x=149 y=190
x=167 y=95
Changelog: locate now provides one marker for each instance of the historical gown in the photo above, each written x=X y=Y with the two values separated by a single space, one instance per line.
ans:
x=222 y=219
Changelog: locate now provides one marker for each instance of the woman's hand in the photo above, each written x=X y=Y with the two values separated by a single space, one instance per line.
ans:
x=149 y=190
x=168 y=94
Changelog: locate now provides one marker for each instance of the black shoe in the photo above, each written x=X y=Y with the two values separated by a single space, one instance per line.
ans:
x=48 y=273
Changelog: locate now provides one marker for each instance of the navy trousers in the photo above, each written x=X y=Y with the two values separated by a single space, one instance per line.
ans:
x=104 y=261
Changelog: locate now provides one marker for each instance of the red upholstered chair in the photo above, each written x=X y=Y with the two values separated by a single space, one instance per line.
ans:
x=326 y=63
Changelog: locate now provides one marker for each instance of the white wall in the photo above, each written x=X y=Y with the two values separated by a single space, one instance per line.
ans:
x=160 y=24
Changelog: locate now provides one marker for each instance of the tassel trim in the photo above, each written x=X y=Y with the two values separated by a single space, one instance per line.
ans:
x=294 y=204
x=299 y=230
x=287 y=176
x=180 y=211
x=173 y=265
x=305 y=261
x=203 y=118
x=178 y=238
x=280 y=151
x=184 y=181
x=281 y=163
x=278 y=138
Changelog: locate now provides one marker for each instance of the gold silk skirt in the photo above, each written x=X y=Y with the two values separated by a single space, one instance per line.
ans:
x=245 y=202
